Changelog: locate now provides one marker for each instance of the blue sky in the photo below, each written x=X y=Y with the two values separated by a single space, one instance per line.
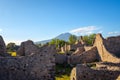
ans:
x=38 y=20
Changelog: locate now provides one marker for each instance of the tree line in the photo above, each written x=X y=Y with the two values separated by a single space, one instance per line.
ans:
x=88 y=39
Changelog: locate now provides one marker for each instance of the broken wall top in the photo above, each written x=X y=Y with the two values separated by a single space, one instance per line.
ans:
x=2 y=45
x=37 y=66
x=105 y=48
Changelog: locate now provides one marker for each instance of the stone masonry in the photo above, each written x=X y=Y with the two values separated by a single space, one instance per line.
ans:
x=105 y=47
x=112 y=44
x=109 y=68
x=85 y=57
x=82 y=72
x=79 y=50
x=34 y=64
x=3 y=51
x=71 y=47
x=60 y=58
x=27 y=48
x=2 y=46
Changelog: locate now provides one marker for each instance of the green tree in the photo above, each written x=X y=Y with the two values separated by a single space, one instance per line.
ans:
x=59 y=43
x=72 y=39
x=11 y=47
x=88 y=39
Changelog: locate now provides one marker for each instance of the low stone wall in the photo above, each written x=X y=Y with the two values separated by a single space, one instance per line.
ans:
x=87 y=48
x=85 y=57
x=82 y=72
x=39 y=65
x=74 y=47
x=108 y=66
x=60 y=58
x=79 y=50
x=71 y=47
x=27 y=48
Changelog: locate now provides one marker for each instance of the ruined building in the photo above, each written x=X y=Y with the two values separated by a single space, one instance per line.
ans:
x=82 y=72
x=109 y=69
x=33 y=63
x=3 y=51
x=109 y=49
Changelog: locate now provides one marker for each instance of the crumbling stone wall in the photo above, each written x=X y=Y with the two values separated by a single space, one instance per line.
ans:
x=37 y=65
x=112 y=44
x=60 y=58
x=104 y=53
x=108 y=66
x=82 y=72
x=65 y=48
x=2 y=45
x=85 y=57
x=79 y=50
x=27 y=48
x=71 y=47
x=3 y=51
x=87 y=48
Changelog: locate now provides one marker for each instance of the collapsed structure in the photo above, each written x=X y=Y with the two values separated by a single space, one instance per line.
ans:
x=82 y=72
x=33 y=63
x=109 y=53
x=109 y=49
x=3 y=51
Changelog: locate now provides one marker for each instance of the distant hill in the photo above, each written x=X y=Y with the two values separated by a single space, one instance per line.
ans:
x=64 y=36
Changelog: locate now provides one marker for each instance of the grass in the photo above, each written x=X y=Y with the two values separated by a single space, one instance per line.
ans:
x=61 y=53
x=63 y=77
x=63 y=72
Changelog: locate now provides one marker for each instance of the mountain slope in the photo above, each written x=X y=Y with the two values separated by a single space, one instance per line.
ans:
x=64 y=36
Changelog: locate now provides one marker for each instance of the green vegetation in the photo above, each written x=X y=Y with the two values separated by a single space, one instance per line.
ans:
x=63 y=72
x=59 y=43
x=88 y=39
x=11 y=47
x=72 y=39
x=60 y=52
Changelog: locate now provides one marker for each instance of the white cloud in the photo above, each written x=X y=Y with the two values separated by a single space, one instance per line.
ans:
x=86 y=30
x=0 y=30
x=113 y=33
x=14 y=41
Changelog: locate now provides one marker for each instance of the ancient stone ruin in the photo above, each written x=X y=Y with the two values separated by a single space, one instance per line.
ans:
x=60 y=58
x=109 y=69
x=2 y=45
x=3 y=51
x=38 y=63
x=27 y=48
x=71 y=47
x=33 y=63
x=84 y=57
x=108 y=48
x=79 y=50
x=82 y=72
